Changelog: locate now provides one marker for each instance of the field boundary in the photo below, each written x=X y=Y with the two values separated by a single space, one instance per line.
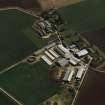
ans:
x=97 y=70
x=30 y=12
x=10 y=96
x=10 y=67
x=74 y=100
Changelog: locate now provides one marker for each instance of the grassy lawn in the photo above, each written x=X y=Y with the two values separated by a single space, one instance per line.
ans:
x=29 y=83
x=14 y=44
x=85 y=16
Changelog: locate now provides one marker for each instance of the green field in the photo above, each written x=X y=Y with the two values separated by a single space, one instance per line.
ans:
x=13 y=42
x=39 y=43
x=85 y=16
x=17 y=39
x=4 y=100
x=29 y=83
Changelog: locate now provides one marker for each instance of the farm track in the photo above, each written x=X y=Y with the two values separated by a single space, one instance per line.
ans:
x=10 y=96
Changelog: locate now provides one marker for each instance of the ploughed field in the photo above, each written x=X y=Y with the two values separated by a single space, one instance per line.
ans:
x=96 y=37
x=92 y=91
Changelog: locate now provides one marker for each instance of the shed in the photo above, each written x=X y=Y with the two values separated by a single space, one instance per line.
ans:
x=82 y=53
x=53 y=53
x=80 y=72
x=46 y=60
x=49 y=55
x=64 y=49
x=68 y=75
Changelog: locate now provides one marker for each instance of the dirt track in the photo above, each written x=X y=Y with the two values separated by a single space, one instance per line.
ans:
x=46 y=4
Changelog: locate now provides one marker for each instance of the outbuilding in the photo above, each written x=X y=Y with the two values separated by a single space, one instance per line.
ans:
x=82 y=53
x=80 y=72
x=64 y=49
x=46 y=60
x=74 y=61
x=68 y=75
x=54 y=53
x=49 y=55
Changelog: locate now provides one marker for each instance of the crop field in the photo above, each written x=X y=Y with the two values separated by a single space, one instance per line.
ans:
x=14 y=43
x=4 y=100
x=31 y=34
x=84 y=16
x=29 y=84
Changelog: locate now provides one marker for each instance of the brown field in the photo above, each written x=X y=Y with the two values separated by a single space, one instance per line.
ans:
x=92 y=91
x=47 y=4
x=26 y=4
x=96 y=37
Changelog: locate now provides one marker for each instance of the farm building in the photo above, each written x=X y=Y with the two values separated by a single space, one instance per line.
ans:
x=74 y=61
x=63 y=51
x=43 y=28
x=82 y=53
x=54 y=53
x=46 y=60
x=80 y=72
x=49 y=55
x=68 y=75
